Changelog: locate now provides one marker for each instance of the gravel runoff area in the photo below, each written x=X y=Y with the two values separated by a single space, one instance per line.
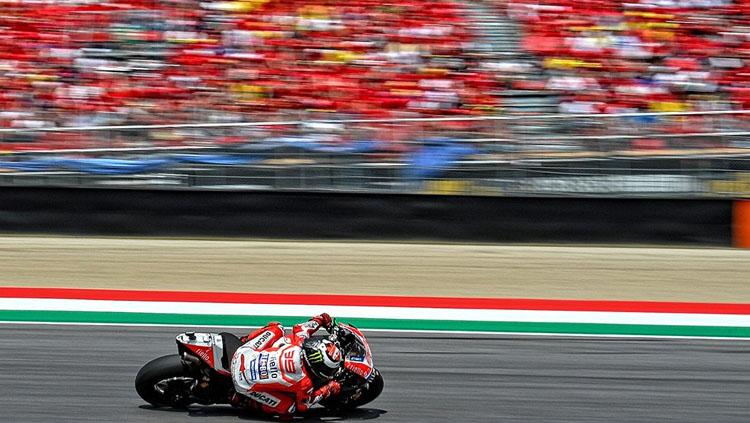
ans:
x=479 y=270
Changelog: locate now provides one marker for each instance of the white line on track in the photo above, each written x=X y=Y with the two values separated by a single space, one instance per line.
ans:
x=404 y=331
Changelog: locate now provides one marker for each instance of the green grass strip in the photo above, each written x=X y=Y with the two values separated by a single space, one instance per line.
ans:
x=369 y=323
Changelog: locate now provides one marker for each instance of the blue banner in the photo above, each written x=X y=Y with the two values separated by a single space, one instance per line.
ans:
x=435 y=156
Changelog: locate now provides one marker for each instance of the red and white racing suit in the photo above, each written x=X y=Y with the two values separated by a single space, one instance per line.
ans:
x=269 y=370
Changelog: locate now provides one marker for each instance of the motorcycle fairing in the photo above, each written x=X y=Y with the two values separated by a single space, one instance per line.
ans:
x=359 y=362
x=209 y=347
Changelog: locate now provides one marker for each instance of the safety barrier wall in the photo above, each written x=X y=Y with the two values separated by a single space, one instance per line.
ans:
x=368 y=216
x=676 y=154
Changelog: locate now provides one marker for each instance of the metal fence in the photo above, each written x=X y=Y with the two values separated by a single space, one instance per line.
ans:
x=684 y=154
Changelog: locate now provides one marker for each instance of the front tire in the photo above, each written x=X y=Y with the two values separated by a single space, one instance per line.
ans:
x=165 y=382
x=368 y=394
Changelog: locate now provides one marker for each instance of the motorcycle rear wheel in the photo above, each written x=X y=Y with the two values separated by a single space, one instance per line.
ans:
x=165 y=382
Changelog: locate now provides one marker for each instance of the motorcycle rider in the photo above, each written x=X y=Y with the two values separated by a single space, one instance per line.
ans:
x=282 y=375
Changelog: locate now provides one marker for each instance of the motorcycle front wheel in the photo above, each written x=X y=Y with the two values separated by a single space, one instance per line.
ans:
x=165 y=382
x=363 y=395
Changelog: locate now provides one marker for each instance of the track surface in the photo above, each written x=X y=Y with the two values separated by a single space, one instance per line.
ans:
x=85 y=374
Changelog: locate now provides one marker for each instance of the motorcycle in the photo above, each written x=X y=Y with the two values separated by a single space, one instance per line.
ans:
x=200 y=372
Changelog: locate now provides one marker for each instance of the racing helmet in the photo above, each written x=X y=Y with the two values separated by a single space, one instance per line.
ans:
x=323 y=358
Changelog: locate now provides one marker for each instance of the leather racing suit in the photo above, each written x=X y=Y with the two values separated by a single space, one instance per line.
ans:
x=269 y=369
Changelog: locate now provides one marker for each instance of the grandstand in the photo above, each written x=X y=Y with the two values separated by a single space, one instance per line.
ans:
x=358 y=85
x=83 y=63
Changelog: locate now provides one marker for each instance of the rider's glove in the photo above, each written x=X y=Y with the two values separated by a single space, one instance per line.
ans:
x=324 y=320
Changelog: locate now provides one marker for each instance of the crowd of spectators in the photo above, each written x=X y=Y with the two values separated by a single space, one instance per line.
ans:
x=142 y=62
x=620 y=56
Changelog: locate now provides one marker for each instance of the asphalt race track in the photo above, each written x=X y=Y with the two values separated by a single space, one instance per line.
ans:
x=85 y=374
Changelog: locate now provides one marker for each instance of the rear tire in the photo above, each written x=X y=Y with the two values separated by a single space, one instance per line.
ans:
x=163 y=381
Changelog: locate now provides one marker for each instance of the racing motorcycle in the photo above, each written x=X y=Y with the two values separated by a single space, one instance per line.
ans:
x=200 y=372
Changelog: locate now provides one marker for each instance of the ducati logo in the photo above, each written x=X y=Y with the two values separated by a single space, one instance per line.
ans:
x=266 y=335
x=264 y=398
